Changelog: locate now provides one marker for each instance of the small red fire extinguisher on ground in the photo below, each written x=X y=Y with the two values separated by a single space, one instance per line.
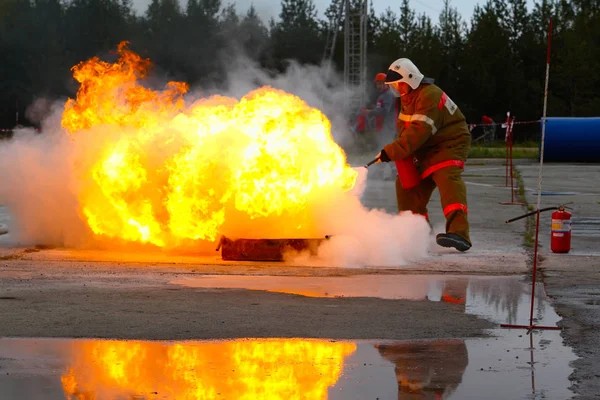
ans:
x=560 y=240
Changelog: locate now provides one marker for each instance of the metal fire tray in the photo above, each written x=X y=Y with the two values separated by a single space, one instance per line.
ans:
x=265 y=249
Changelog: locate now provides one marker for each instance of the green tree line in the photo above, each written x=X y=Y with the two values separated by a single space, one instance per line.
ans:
x=493 y=63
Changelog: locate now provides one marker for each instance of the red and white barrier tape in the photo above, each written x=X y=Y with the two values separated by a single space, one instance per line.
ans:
x=537 y=121
x=503 y=124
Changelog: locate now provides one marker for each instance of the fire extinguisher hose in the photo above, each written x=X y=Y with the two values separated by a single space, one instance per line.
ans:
x=561 y=207
x=531 y=213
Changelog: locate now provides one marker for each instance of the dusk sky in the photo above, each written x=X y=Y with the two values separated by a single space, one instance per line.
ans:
x=271 y=8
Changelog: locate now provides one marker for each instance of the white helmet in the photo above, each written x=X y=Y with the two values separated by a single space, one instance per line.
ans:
x=403 y=70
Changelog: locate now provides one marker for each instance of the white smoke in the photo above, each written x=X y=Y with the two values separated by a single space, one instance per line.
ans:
x=39 y=110
x=362 y=237
x=37 y=187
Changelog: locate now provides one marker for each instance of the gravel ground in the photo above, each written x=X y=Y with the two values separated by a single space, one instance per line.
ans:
x=104 y=300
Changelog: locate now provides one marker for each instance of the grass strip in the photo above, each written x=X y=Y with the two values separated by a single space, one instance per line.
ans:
x=529 y=236
x=500 y=152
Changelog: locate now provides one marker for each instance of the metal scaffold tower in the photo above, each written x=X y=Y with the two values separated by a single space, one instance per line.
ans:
x=355 y=14
x=355 y=47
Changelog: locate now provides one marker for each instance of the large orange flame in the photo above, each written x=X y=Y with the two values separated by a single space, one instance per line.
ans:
x=163 y=168
x=244 y=369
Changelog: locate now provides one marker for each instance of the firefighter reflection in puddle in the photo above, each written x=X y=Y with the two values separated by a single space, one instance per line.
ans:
x=452 y=291
x=431 y=369
x=455 y=292
x=427 y=369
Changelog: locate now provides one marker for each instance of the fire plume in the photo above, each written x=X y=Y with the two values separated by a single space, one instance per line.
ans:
x=162 y=167
x=243 y=369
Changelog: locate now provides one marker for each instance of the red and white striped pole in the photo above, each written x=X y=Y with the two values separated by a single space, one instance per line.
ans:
x=531 y=326
x=509 y=162
x=510 y=157
x=506 y=146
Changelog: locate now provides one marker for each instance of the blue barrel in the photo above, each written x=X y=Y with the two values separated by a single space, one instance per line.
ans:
x=572 y=140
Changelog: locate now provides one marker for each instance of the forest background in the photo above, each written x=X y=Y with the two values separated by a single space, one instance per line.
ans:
x=491 y=64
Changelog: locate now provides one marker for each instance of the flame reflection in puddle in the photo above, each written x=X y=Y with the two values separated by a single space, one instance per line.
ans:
x=270 y=369
x=266 y=369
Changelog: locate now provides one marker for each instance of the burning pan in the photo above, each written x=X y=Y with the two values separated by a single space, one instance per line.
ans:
x=264 y=249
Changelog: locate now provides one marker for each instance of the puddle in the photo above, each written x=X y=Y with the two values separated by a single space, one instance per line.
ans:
x=509 y=365
x=501 y=299
x=282 y=369
x=414 y=287
x=498 y=298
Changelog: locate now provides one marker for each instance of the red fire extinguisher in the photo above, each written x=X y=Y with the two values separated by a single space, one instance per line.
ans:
x=361 y=122
x=407 y=170
x=560 y=240
x=407 y=173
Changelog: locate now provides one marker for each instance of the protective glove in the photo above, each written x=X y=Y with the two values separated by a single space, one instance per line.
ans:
x=383 y=156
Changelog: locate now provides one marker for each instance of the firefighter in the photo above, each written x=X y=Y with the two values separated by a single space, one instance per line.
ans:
x=434 y=140
x=384 y=111
x=489 y=129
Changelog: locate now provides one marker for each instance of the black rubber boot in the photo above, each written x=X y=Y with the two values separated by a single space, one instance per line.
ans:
x=452 y=240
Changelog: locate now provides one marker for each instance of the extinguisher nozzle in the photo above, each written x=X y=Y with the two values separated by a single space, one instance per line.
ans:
x=375 y=161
